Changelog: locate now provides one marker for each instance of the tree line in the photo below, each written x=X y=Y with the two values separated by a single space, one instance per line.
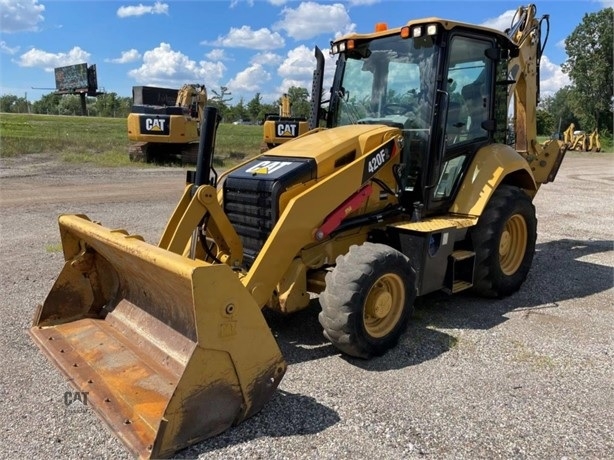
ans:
x=588 y=101
x=114 y=106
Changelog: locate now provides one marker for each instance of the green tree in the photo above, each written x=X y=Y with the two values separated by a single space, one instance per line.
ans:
x=590 y=68
x=221 y=99
x=254 y=108
x=299 y=101
x=269 y=109
x=7 y=102
x=545 y=123
x=107 y=105
x=48 y=104
x=559 y=107
x=13 y=104
x=238 y=112
x=70 y=104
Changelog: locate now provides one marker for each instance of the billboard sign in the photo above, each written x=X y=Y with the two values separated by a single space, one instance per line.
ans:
x=72 y=77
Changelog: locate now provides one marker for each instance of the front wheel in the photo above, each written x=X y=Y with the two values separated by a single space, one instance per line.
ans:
x=504 y=242
x=368 y=299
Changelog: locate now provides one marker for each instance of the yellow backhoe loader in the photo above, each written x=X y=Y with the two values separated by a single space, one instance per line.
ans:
x=407 y=184
x=162 y=132
x=281 y=128
x=594 y=144
x=578 y=140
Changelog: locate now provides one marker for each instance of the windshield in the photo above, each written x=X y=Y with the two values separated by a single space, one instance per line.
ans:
x=388 y=80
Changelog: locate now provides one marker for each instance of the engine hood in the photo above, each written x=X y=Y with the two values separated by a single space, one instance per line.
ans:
x=335 y=147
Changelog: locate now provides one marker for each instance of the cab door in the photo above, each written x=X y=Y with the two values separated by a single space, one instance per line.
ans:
x=469 y=87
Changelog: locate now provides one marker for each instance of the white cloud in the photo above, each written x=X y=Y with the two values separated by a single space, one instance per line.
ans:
x=49 y=61
x=217 y=55
x=266 y=58
x=163 y=66
x=552 y=77
x=245 y=37
x=140 y=10
x=311 y=19
x=501 y=22
x=277 y=2
x=126 y=57
x=249 y=79
x=234 y=3
x=297 y=69
x=20 y=15
x=4 y=48
x=362 y=2
x=299 y=63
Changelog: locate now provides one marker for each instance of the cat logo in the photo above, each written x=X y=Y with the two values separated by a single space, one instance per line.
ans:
x=154 y=124
x=158 y=125
x=267 y=167
x=285 y=129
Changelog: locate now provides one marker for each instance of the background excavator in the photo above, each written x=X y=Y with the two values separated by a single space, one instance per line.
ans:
x=405 y=185
x=281 y=128
x=161 y=130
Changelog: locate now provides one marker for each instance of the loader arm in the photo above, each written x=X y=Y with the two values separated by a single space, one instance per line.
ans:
x=187 y=216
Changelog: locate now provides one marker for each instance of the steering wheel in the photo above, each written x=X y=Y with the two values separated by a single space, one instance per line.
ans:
x=395 y=108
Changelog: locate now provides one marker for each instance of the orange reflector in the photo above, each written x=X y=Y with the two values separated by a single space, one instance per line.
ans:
x=405 y=32
x=350 y=45
x=381 y=26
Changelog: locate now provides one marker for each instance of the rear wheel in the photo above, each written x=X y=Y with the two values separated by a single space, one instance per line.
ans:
x=368 y=299
x=504 y=243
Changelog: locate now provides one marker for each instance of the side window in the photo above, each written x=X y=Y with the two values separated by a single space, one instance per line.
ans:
x=468 y=85
x=451 y=172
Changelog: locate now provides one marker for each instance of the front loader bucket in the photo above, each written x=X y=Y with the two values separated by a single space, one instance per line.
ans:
x=170 y=350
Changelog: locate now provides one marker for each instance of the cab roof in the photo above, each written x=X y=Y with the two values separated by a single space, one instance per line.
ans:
x=445 y=23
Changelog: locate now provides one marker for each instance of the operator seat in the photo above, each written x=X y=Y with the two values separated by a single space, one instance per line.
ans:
x=455 y=124
x=474 y=95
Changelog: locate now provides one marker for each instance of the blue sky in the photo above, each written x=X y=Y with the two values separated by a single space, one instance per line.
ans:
x=249 y=46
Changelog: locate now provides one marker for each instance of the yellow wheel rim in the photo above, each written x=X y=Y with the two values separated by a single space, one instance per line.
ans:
x=384 y=305
x=513 y=244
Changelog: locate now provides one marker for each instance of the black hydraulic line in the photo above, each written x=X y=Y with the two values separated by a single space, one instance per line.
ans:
x=206 y=145
x=371 y=218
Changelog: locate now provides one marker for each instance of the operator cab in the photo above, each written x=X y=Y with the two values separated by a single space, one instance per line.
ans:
x=437 y=82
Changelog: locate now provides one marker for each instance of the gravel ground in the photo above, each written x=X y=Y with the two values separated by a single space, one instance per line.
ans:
x=530 y=376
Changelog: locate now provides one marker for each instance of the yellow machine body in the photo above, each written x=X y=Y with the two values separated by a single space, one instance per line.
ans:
x=281 y=128
x=164 y=132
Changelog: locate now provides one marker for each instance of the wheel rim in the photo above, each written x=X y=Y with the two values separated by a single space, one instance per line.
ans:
x=384 y=305
x=513 y=244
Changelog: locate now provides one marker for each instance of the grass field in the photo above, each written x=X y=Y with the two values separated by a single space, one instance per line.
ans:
x=102 y=141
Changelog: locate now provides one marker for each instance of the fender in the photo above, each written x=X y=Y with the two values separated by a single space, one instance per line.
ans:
x=491 y=166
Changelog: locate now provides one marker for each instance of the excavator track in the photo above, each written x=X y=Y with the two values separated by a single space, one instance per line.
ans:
x=146 y=152
x=189 y=154
x=137 y=152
